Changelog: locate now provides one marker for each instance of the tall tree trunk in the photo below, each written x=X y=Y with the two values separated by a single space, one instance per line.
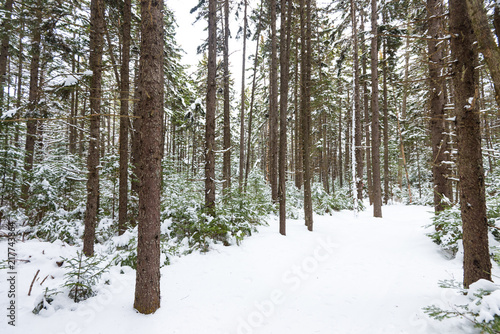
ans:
x=226 y=169
x=4 y=50
x=299 y=170
x=439 y=140
x=477 y=264
x=386 y=122
x=147 y=287
x=286 y=9
x=96 y=50
x=242 y=112
x=34 y=95
x=377 y=189
x=358 y=134
x=305 y=27
x=273 y=107
x=487 y=46
x=124 y=120
x=210 y=109
x=366 y=112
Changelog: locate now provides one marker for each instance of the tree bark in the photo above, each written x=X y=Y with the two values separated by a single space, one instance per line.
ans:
x=386 y=123
x=439 y=140
x=4 y=49
x=366 y=113
x=477 y=264
x=377 y=189
x=226 y=169
x=151 y=81
x=305 y=25
x=273 y=107
x=96 y=50
x=242 y=112
x=284 y=74
x=210 y=110
x=124 y=120
x=487 y=46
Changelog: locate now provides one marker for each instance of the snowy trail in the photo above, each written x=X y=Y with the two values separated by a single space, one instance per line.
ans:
x=351 y=275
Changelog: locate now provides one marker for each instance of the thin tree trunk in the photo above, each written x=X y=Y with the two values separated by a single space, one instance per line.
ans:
x=305 y=24
x=439 y=140
x=210 y=110
x=34 y=95
x=96 y=50
x=386 y=123
x=477 y=264
x=273 y=107
x=124 y=121
x=4 y=50
x=284 y=64
x=151 y=81
x=366 y=112
x=242 y=113
x=377 y=189
x=226 y=169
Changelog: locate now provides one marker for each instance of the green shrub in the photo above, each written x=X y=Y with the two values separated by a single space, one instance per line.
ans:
x=447 y=229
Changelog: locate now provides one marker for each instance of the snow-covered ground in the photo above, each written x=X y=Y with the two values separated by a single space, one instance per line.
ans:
x=351 y=275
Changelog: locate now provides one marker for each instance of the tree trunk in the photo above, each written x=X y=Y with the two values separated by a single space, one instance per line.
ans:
x=4 y=50
x=305 y=27
x=210 y=109
x=226 y=169
x=358 y=135
x=487 y=46
x=242 y=113
x=477 y=263
x=366 y=113
x=439 y=140
x=273 y=108
x=34 y=95
x=124 y=120
x=377 y=189
x=284 y=64
x=147 y=287
x=386 y=123
x=96 y=50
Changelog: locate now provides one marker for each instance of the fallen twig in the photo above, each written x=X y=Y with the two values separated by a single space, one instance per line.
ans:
x=33 y=281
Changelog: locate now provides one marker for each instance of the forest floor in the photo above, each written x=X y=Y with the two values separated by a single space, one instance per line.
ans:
x=351 y=275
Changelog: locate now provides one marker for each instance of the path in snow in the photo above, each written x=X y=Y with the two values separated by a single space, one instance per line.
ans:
x=351 y=275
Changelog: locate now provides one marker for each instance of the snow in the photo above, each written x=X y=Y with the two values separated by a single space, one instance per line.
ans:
x=350 y=275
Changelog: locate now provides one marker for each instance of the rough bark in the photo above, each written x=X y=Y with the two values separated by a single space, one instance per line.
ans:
x=124 y=121
x=284 y=74
x=210 y=110
x=439 y=140
x=34 y=93
x=273 y=107
x=4 y=48
x=358 y=134
x=366 y=112
x=147 y=288
x=305 y=25
x=377 y=189
x=477 y=264
x=386 y=123
x=487 y=46
x=226 y=164
x=96 y=50
x=242 y=112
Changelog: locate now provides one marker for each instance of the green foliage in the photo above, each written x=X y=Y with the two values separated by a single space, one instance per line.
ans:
x=341 y=199
x=447 y=229
x=83 y=273
x=61 y=225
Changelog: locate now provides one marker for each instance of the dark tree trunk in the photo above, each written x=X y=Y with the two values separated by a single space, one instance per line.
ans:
x=299 y=171
x=226 y=169
x=4 y=50
x=273 y=108
x=242 y=112
x=386 y=124
x=305 y=94
x=439 y=140
x=358 y=134
x=477 y=264
x=34 y=95
x=147 y=287
x=210 y=110
x=366 y=113
x=96 y=50
x=377 y=189
x=284 y=64
x=124 y=120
